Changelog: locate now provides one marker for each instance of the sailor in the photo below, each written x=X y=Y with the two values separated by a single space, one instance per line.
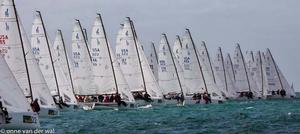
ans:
x=181 y=98
x=62 y=102
x=278 y=91
x=282 y=93
x=106 y=98
x=57 y=103
x=177 y=97
x=35 y=106
x=112 y=98
x=147 y=97
x=100 y=98
x=273 y=93
x=194 y=96
x=250 y=95
x=119 y=100
x=5 y=112
x=205 y=97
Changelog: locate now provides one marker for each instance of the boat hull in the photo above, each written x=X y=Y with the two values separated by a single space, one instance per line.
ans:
x=22 y=120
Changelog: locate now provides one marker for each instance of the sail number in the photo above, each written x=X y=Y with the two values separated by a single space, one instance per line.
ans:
x=3 y=39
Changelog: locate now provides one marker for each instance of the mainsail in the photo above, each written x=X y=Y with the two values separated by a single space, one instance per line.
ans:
x=82 y=64
x=153 y=60
x=192 y=72
x=169 y=79
x=134 y=64
x=106 y=70
x=19 y=57
x=240 y=71
x=223 y=78
x=40 y=47
x=207 y=70
x=62 y=74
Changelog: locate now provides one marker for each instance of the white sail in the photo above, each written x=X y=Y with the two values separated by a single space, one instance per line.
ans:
x=254 y=74
x=102 y=68
x=275 y=79
x=240 y=72
x=40 y=50
x=130 y=64
x=14 y=56
x=192 y=74
x=82 y=65
x=11 y=95
x=60 y=65
x=177 y=51
x=153 y=60
x=223 y=79
x=60 y=58
x=207 y=70
x=167 y=75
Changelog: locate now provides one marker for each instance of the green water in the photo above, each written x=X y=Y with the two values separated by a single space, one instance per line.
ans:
x=237 y=117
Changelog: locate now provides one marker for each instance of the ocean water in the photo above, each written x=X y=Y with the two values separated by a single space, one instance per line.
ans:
x=236 y=117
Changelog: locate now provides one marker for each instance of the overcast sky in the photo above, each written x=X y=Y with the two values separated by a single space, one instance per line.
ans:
x=255 y=24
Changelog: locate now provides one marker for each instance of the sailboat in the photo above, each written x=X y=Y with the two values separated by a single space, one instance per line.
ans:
x=194 y=75
x=244 y=82
x=13 y=99
x=278 y=86
x=63 y=73
x=21 y=61
x=223 y=79
x=135 y=67
x=153 y=60
x=168 y=76
x=56 y=80
x=208 y=73
x=106 y=72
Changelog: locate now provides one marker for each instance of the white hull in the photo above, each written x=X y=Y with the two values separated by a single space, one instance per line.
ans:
x=23 y=120
x=48 y=112
x=278 y=97
x=106 y=106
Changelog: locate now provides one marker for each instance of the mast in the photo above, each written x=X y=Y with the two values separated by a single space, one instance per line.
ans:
x=69 y=70
x=85 y=34
x=198 y=61
x=108 y=49
x=213 y=74
x=87 y=47
x=165 y=36
x=137 y=51
x=224 y=71
x=23 y=50
x=261 y=73
x=231 y=65
x=50 y=54
x=243 y=60
x=281 y=85
x=154 y=52
x=178 y=37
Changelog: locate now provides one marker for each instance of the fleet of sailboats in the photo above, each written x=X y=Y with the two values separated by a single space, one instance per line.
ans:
x=40 y=79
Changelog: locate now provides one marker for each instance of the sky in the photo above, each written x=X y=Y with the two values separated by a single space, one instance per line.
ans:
x=254 y=24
